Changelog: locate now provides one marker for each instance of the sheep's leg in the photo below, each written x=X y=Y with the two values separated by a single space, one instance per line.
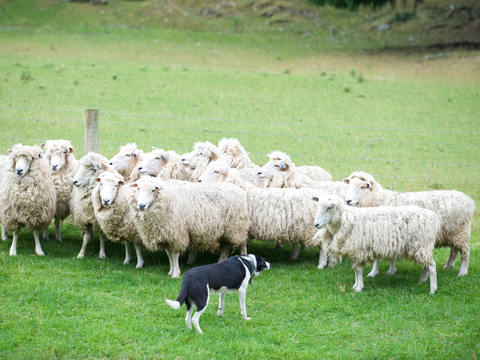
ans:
x=221 y=304
x=304 y=247
x=465 y=255
x=356 y=278
x=13 y=248
x=278 y=246
x=4 y=233
x=58 y=237
x=46 y=236
x=192 y=256
x=101 y=254
x=138 y=250
x=393 y=269
x=375 y=269
x=224 y=251
x=451 y=259
x=424 y=276
x=86 y=238
x=243 y=249
x=359 y=276
x=176 y=266
x=128 y=254
x=322 y=258
x=169 y=254
x=331 y=261
x=432 y=269
x=294 y=253
x=38 y=247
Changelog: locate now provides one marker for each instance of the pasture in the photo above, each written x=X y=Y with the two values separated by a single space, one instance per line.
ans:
x=344 y=111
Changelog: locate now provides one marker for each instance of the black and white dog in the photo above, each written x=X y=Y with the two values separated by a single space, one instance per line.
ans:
x=222 y=278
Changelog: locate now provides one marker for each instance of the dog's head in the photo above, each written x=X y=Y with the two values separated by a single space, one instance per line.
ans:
x=259 y=264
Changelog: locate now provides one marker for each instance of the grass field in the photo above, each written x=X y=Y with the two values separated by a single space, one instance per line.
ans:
x=341 y=109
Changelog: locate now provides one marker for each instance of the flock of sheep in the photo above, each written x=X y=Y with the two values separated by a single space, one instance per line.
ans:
x=163 y=201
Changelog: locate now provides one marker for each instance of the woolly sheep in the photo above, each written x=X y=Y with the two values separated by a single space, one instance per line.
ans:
x=198 y=159
x=276 y=215
x=3 y=169
x=368 y=234
x=165 y=164
x=91 y=166
x=171 y=217
x=234 y=154
x=110 y=200
x=280 y=171
x=454 y=208
x=63 y=165
x=126 y=162
x=27 y=194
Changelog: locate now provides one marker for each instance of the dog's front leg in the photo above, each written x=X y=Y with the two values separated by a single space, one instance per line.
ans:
x=221 y=304
x=243 y=309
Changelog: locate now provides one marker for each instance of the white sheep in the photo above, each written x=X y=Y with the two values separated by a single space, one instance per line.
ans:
x=126 y=162
x=167 y=165
x=171 y=217
x=280 y=171
x=27 y=194
x=454 y=208
x=3 y=170
x=110 y=199
x=91 y=166
x=63 y=165
x=368 y=234
x=198 y=159
x=234 y=154
x=276 y=215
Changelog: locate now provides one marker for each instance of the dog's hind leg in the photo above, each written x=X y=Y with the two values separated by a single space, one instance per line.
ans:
x=188 y=318
x=221 y=304
x=243 y=308
x=201 y=306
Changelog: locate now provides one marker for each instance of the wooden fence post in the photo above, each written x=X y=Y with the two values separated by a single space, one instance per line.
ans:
x=92 y=138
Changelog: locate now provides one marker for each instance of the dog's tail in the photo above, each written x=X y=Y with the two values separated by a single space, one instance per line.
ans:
x=180 y=299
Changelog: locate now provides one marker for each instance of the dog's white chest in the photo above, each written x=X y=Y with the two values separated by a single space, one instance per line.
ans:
x=222 y=290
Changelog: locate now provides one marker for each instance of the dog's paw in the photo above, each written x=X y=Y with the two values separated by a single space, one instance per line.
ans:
x=246 y=318
x=220 y=313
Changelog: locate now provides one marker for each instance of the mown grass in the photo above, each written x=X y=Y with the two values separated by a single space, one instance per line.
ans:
x=62 y=307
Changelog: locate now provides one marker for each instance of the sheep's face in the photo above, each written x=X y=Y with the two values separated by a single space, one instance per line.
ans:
x=326 y=213
x=58 y=159
x=200 y=154
x=187 y=157
x=227 y=153
x=356 y=188
x=214 y=173
x=22 y=165
x=271 y=168
x=108 y=188
x=145 y=194
x=84 y=174
x=124 y=160
x=152 y=163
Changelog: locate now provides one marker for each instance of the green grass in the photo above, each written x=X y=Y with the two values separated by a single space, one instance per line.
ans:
x=61 y=307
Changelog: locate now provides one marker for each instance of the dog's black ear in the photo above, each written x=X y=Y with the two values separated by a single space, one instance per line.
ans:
x=261 y=264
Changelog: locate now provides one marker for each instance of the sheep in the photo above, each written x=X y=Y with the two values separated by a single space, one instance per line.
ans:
x=280 y=171
x=91 y=166
x=368 y=234
x=171 y=217
x=110 y=199
x=63 y=165
x=198 y=159
x=3 y=169
x=276 y=215
x=27 y=194
x=126 y=162
x=454 y=208
x=165 y=164
x=234 y=154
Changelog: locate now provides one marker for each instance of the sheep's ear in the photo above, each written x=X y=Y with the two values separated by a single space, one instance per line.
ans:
x=10 y=150
x=208 y=154
x=346 y=181
x=43 y=145
x=158 y=187
x=315 y=198
x=97 y=179
x=334 y=204
x=71 y=150
x=134 y=185
x=119 y=148
x=231 y=151
x=154 y=148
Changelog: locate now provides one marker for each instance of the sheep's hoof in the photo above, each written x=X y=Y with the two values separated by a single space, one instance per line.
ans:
x=332 y=264
x=139 y=265
x=278 y=246
x=40 y=253
x=103 y=256
x=448 y=266
x=247 y=318
x=126 y=262
x=390 y=272
x=13 y=253
x=433 y=291
x=462 y=273
x=321 y=266
x=59 y=239
x=372 y=274
x=190 y=261
x=175 y=276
